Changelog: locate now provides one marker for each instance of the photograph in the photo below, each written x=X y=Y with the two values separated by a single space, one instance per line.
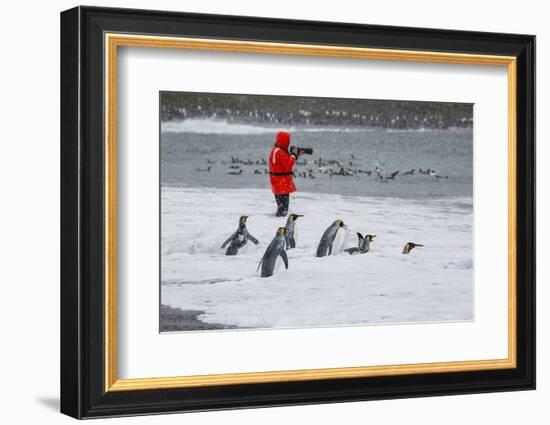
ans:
x=295 y=212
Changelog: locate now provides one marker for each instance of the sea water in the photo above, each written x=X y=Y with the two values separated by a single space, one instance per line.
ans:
x=201 y=144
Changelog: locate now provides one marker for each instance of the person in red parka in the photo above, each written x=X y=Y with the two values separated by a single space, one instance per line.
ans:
x=281 y=162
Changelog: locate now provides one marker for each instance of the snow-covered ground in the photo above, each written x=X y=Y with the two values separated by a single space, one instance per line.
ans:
x=433 y=283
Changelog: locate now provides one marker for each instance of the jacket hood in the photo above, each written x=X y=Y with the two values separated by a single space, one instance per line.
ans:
x=282 y=139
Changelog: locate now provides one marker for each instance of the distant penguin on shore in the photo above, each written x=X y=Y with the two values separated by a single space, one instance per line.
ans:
x=291 y=230
x=409 y=247
x=275 y=249
x=363 y=244
x=239 y=238
x=327 y=240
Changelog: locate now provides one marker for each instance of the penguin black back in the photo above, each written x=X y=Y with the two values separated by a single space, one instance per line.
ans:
x=325 y=245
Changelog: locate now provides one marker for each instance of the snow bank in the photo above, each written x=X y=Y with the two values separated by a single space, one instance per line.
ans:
x=434 y=283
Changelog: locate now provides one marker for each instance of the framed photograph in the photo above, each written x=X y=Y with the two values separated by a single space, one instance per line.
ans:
x=261 y=212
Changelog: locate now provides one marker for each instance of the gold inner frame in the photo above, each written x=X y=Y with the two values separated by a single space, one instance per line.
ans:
x=113 y=41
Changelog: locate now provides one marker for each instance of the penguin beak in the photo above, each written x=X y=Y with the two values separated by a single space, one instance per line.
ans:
x=417 y=244
x=344 y=226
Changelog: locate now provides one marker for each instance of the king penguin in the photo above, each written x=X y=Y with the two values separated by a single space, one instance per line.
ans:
x=291 y=230
x=409 y=247
x=363 y=244
x=239 y=238
x=275 y=249
x=325 y=245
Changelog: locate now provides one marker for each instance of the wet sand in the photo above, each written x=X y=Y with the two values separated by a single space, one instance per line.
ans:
x=175 y=319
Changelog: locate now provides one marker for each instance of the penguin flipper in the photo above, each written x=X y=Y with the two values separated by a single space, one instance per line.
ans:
x=292 y=242
x=284 y=257
x=321 y=249
x=229 y=239
x=253 y=239
x=260 y=264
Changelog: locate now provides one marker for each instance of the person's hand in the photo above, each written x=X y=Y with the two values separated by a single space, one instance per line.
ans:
x=294 y=151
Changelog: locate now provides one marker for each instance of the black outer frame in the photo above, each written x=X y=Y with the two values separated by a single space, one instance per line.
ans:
x=82 y=219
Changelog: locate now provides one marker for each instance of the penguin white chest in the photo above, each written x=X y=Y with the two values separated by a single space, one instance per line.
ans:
x=278 y=264
x=339 y=240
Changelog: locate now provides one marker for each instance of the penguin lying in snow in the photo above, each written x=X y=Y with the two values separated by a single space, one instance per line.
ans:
x=290 y=234
x=275 y=249
x=409 y=246
x=239 y=238
x=325 y=245
x=363 y=245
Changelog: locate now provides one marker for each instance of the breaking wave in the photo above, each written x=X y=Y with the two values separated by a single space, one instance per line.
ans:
x=210 y=126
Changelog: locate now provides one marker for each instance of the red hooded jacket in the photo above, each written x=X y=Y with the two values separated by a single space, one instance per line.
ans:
x=281 y=163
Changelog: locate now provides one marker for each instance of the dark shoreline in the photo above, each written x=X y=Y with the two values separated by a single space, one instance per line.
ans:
x=305 y=110
x=175 y=319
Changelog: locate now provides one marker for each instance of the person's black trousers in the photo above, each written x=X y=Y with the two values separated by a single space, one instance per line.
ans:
x=282 y=204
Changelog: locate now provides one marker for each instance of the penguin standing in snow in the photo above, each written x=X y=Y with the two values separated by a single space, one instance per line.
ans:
x=291 y=230
x=325 y=245
x=409 y=247
x=363 y=245
x=239 y=238
x=275 y=249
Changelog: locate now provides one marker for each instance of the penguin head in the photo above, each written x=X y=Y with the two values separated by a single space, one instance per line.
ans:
x=341 y=224
x=242 y=220
x=409 y=246
x=295 y=217
x=370 y=237
x=281 y=231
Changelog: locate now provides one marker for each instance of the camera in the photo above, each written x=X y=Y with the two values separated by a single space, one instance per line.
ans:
x=304 y=151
